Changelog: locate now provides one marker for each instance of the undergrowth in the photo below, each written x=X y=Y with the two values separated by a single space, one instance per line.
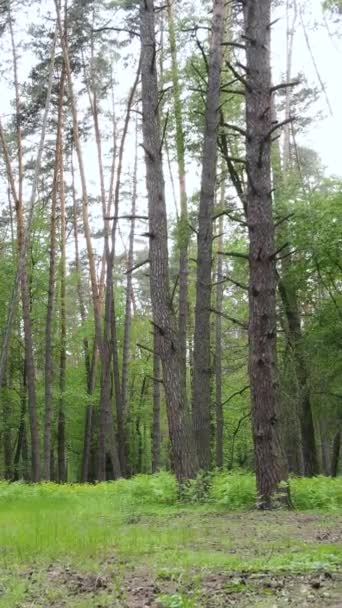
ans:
x=232 y=491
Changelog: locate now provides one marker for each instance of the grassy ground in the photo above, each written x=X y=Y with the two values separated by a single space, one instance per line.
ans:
x=130 y=545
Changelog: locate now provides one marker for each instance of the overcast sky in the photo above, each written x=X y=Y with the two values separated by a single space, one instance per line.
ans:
x=324 y=135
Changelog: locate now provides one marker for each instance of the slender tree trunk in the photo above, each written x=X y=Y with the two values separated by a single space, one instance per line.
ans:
x=129 y=298
x=110 y=351
x=51 y=293
x=62 y=473
x=23 y=251
x=295 y=340
x=163 y=315
x=288 y=290
x=183 y=228
x=21 y=449
x=25 y=295
x=218 y=346
x=202 y=366
x=85 y=199
x=335 y=458
x=156 y=405
x=325 y=446
x=90 y=366
x=270 y=468
x=6 y=433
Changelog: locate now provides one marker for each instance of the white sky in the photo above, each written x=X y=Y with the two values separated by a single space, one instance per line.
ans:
x=324 y=135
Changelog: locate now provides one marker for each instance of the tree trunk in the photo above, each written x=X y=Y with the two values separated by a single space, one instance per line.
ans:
x=270 y=468
x=287 y=290
x=62 y=474
x=202 y=365
x=183 y=228
x=156 y=405
x=218 y=346
x=335 y=458
x=294 y=336
x=110 y=340
x=163 y=315
x=51 y=293
x=128 y=304
x=325 y=446
x=90 y=366
x=21 y=265
x=6 y=433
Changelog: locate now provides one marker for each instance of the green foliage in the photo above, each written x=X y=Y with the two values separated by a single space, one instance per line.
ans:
x=234 y=491
x=317 y=493
x=176 y=600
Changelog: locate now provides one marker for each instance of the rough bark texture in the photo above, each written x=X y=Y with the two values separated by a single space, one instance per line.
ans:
x=294 y=337
x=288 y=290
x=288 y=408
x=270 y=469
x=156 y=405
x=335 y=458
x=62 y=473
x=180 y=430
x=218 y=347
x=128 y=305
x=51 y=295
x=183 y=228
x=202 y=365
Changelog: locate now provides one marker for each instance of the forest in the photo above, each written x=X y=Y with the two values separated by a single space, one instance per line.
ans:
x=170 y=301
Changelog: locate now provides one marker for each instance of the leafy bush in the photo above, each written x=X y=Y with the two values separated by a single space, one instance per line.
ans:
x=233 y=490
x=317 y=493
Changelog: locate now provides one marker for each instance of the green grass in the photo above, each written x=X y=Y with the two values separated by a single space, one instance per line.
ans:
x=139 y=523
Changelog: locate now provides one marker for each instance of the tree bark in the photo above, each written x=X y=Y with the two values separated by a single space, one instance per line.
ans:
x=270 y=468
x=180 y=430
x=25 y=298
x=183 y=228
x=287 y=289
x=23 y=251
x=51 y=293
x=129 y=301
x=156 y=405
x=62 y=473
x=335 y=458
x=218 y=346
x=202 y=365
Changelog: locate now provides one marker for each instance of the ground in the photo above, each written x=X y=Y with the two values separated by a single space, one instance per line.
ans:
x=59 y=550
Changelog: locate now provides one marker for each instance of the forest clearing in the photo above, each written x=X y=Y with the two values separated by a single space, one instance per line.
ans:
x=170 y=303
x=130 y=544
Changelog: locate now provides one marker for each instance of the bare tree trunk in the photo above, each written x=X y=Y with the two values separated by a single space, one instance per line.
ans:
x=129 y=297
x=25 y=295
x=202 y=366
x=90 y=366
x=119 y=458
x=6 y=433
x=183 y=228
x=335 y=458
x=23 y=251
x=85 y=199
x=288 y=291
x=156 y=405
x=51 y=292
x=180 y=430
x=62 y=474
x=218 y=345
x=325 y=446
x=270 y=468
x=294 y=336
